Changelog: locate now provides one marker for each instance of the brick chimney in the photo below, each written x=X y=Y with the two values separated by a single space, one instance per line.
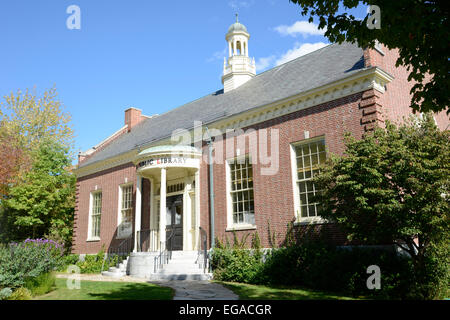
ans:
x=132 y=117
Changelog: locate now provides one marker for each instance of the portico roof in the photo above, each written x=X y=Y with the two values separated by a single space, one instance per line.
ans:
x=165 y=149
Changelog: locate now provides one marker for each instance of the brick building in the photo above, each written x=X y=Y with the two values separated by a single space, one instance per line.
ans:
x=151 y=179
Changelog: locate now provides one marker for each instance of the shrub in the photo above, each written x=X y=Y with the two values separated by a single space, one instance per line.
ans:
x=94 y=263
x=41 y=284
x=67 y=260
x=237 y=263
x=30 y=258
x=5 y=293
x=20 y=294
x=319 y=266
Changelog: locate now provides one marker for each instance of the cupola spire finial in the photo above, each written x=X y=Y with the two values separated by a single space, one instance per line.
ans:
x=237 y=20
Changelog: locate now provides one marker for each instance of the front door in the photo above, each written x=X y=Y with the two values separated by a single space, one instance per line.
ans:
x=174 y=222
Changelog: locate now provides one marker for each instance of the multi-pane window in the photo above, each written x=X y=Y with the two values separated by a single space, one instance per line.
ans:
x=96 y=214
x=242 y=191
x=308 y=156
x=126 y=211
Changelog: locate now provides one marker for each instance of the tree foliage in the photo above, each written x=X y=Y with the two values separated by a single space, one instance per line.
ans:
x=31 y=119
x=11 y=158
x=392 y=186
x=42 y=204
x=419 y=29
x=36 y=186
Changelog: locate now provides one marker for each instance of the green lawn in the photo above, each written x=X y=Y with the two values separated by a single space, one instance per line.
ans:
x=259 y=292
x=102 y=290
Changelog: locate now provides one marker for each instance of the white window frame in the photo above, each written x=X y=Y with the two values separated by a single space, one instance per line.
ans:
x=90 y=237
x=298 y=218
x=231 y=226
x=119 y=210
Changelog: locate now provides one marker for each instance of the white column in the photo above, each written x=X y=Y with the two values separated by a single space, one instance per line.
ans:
x=137 y=211
x=235 y=47
x=246 y=48
x=162 y=209
x=229 y=48
x=197 y=208
x=153 y=212
x=187 y=215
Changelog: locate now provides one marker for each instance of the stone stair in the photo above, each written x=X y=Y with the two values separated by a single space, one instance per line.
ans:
x=182 y=266
x=118 y=271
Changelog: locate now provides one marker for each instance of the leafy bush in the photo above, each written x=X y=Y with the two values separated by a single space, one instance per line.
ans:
x=94 y=263
x=324 y=267
x=67 y=260
x=5 y=293
x=20 y=294
x=41 y=284
x=28 y=259
x=318 y=266
x=237 y=263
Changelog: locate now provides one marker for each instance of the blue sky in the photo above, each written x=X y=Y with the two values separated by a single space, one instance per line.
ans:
x=152 y=55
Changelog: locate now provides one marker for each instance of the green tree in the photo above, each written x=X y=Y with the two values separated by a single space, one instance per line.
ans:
x=32 y=119
x=392 y=187
x=42 y=204
x=419 y=29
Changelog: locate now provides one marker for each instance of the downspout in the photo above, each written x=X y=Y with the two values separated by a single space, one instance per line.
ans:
x=211 y=186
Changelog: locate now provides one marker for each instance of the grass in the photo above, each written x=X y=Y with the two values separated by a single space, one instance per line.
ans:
x=103 y=290
x=260 y=292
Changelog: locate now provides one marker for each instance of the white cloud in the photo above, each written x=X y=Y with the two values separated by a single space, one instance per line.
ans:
x=300 y=49
x=218 y=55
x=300 y=27
x=235 y=4
x=264 y=63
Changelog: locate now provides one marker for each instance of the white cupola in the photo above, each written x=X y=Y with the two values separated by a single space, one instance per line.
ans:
x=238 y=68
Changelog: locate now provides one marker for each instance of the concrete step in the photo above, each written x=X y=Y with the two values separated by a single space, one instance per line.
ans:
x=166 y=270
x=114 y=274
x=181 y=276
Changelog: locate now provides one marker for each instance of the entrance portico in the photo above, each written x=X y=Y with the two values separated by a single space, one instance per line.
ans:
x=173 y=172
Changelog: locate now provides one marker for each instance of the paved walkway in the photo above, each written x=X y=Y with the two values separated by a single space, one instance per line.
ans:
x=198 y=290
x=184 y=290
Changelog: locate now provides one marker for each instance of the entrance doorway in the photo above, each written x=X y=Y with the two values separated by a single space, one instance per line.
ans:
x=174 y=221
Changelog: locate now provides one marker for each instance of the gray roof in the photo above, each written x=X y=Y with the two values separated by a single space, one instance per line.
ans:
x=328 y=64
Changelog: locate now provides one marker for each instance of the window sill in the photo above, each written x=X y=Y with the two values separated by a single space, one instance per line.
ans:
x=241 y=227
x=92 y=239
x=123 y=236
x=310 y=221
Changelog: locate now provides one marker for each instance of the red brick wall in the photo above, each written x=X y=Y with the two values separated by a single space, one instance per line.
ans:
x=397 y=98
x=108 y=182
x=273 y=195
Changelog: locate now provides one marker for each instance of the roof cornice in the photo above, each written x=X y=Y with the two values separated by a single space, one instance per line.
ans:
x=366 y=79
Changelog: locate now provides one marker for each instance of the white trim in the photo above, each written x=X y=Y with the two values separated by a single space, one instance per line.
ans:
x=228 y=191
x=197 y=208
x=89 y=237
x=119 y=209
x=240 y=227
x=296 y=202
x=137 y=210
x=230 y=224
x=298 y=219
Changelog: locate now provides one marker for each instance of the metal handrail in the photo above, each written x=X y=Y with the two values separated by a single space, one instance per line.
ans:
x=123 y=249
x=203 y=259
x=164 y=255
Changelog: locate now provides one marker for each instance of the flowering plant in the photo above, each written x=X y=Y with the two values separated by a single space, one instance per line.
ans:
x=30 y=258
